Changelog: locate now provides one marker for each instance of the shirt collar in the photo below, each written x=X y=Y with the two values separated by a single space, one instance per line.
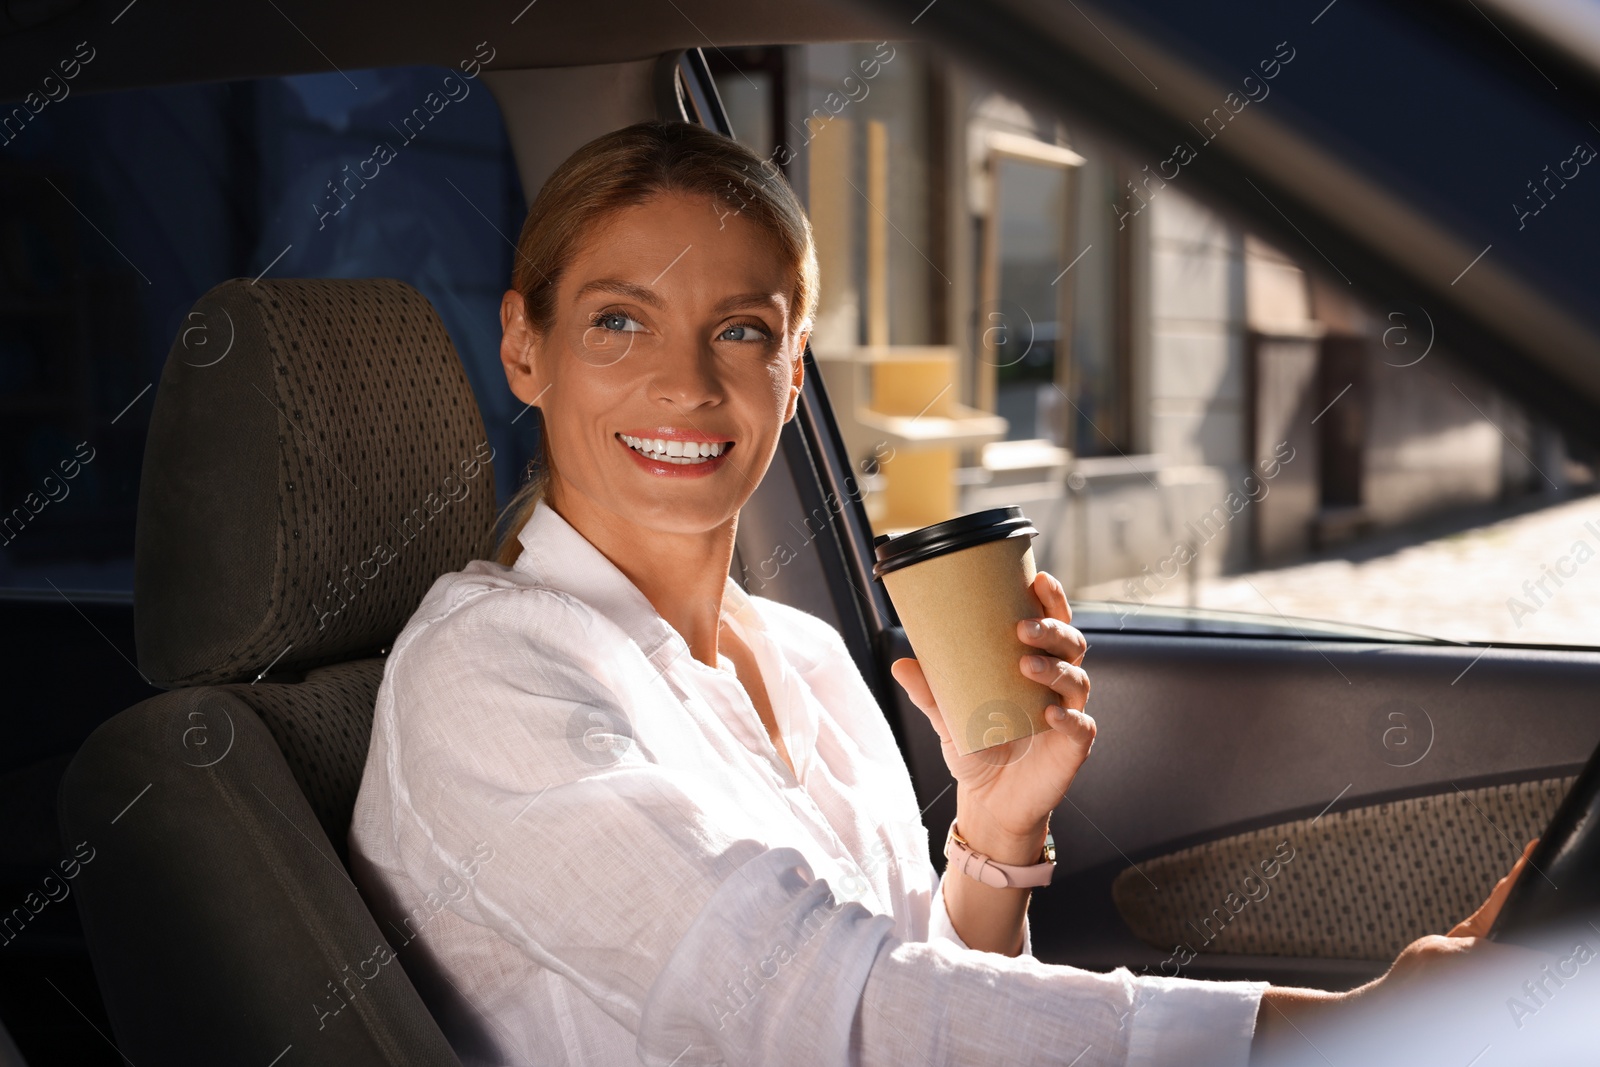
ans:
x=559 y=556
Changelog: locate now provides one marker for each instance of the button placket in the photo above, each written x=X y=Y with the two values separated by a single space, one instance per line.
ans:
x=786 y=777
x=718 y=676
x=800 y=801
x=730 y=678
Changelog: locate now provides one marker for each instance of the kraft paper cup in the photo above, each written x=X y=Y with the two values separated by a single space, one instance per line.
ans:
x=960 y=587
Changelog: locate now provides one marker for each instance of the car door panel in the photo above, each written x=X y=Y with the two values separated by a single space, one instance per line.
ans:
x=1356 y=884
x=1212 y=749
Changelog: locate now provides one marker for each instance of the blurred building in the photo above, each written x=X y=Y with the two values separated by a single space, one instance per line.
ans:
x=1015 y=313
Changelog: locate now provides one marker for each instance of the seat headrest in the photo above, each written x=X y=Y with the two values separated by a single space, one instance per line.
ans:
x=315 y=461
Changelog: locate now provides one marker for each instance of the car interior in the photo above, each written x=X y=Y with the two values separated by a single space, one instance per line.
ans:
x=190 y=747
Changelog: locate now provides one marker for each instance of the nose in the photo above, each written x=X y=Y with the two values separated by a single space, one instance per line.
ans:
x=686 y=377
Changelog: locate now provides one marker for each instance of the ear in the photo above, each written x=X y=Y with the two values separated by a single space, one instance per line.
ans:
x=799 y=374
x=519 y=349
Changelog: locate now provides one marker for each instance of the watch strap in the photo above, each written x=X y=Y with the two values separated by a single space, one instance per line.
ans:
x=991 y=872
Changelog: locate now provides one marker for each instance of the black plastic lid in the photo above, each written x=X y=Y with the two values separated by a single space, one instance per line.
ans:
x=952 y=535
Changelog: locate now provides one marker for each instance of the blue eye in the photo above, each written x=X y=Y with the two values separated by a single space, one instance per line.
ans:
x=616 y=322
x=747 y=330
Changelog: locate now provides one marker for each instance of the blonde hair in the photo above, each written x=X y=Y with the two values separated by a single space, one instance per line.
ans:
x=622 y=169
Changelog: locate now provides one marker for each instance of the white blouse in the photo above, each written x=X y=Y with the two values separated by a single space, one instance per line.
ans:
x=587 y=851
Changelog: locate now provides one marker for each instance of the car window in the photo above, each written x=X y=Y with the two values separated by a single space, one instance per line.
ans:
x=1204 y=426
x=120 y=209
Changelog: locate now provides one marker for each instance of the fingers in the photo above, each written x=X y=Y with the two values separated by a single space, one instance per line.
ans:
x=1054 y=637
x=1069 y=681
x=1052 y=596
x=1076 y=724
x=1051 y=632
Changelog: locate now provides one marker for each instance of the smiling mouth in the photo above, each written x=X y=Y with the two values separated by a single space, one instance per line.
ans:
x=681 y=453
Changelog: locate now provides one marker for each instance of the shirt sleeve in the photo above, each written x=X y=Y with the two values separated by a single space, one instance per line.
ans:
x=671 y=911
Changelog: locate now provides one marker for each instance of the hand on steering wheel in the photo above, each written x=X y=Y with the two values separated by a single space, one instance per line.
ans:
x=1427 y=960
x=1427 y=954
x=1480 y=922
x=1019 y=783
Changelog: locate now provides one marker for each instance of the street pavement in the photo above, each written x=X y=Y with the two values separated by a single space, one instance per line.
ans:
x=1532 y=578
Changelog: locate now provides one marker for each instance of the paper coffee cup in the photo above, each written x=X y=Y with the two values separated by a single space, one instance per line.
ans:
x=960 y=587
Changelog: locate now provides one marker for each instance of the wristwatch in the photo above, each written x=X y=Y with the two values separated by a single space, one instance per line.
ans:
x=994 y=873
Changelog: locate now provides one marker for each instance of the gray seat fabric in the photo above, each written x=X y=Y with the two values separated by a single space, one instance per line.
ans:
x=315 y=461
x=303 y=487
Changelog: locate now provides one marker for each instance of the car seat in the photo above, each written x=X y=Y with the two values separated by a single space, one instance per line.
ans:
x=315 y=461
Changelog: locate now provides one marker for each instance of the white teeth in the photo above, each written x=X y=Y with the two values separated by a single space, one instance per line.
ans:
x=675 y=451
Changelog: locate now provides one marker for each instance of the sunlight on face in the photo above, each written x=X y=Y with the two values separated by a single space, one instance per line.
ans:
x=672 y=319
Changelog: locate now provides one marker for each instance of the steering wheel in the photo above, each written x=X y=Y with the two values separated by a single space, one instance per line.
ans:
x=1561 y=884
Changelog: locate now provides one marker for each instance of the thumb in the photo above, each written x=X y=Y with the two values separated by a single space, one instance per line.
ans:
x=1479 y=922
x=908 y=672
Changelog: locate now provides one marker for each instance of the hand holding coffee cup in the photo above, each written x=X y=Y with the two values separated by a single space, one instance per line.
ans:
x=965 y=591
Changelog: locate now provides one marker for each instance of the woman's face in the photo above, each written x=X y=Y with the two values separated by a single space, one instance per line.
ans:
x=672 y=327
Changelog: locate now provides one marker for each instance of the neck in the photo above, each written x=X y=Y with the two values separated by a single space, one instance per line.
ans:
x=682 y=575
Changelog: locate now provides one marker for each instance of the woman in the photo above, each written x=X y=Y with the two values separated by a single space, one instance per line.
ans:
x=631 y=813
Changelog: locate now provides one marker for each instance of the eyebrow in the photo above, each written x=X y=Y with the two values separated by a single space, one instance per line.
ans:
x=642 y=293
x=645 y=295
x=752 y=300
